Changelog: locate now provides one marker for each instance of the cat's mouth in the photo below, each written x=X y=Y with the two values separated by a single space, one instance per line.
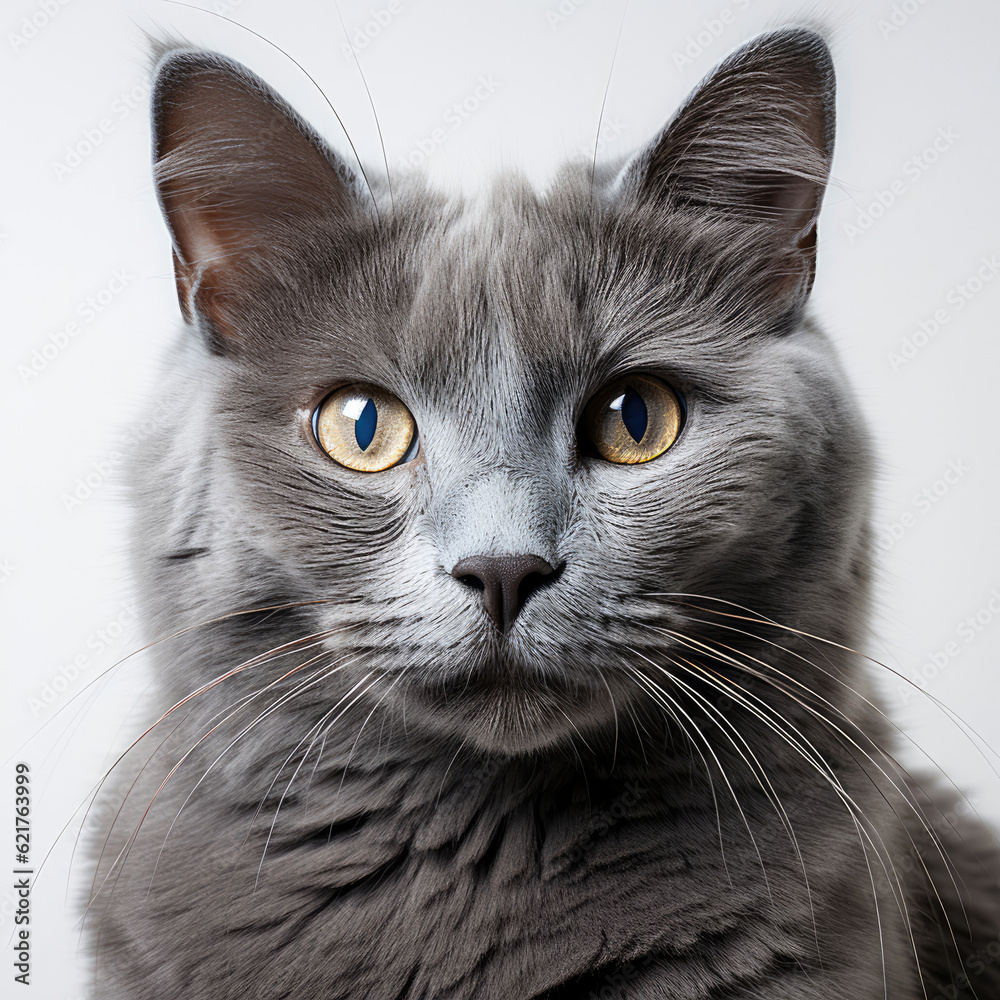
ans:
x=548 y=679
x=506 y=702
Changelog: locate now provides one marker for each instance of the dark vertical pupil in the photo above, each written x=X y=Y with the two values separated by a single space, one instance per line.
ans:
x=364 y=426
x=634 y=415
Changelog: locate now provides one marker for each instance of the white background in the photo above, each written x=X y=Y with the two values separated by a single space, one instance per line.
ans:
x=69 y=223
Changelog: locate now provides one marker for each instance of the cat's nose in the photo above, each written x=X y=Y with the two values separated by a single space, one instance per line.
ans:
x=506 y=582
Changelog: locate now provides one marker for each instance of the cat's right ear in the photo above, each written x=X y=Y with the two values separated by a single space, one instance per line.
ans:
x=753 y=145
x=236 y=169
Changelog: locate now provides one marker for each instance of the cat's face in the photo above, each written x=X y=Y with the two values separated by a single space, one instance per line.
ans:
x=511 y=569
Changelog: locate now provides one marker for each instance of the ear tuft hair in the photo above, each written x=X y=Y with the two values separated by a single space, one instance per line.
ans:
x=753 y=142
x=236 y=169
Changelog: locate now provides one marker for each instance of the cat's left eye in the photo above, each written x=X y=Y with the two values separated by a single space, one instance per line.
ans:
x=365 y=428
x=633 y=419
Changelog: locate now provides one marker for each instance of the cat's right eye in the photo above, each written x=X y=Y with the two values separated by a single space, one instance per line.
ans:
x=365 y=428
x=633 y=419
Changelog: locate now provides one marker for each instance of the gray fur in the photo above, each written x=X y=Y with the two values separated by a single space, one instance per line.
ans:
x=443 y=811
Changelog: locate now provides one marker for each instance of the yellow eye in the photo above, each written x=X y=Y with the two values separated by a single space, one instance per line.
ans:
x=365 y=428
x=633 y=419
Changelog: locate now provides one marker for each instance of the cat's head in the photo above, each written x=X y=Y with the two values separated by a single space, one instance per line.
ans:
x=511 y=446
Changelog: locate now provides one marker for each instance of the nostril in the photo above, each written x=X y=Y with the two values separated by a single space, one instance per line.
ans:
x=506 y=582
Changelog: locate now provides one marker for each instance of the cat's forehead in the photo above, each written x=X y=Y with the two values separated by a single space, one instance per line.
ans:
x=511 y=284
x=492 y=287
x=494 y=252
x=510 y=294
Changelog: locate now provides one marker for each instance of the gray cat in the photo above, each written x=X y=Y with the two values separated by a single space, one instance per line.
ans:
x=505 y=559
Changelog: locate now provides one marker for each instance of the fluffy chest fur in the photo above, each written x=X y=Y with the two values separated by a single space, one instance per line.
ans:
x=490 y=880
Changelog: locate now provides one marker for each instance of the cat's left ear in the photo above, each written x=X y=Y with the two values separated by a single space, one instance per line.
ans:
x=753 y=143
x=237 y=171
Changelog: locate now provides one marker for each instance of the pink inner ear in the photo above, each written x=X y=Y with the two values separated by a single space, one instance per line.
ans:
x=794 y=201
x=796 y=195
x=236 y=170
x=201 y=242
x=755 y=139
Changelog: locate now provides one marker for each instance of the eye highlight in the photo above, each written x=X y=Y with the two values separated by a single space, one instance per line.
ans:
x=633 y=419
x=365 y=428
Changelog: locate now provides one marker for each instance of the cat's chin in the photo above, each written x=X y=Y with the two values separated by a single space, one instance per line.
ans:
x=511 y=726
x=511 y=712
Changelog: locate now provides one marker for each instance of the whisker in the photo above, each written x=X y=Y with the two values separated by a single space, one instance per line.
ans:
x=118 y=865
x=760 y=774
x=860 y=697
x=604 y=100
x=318 y=728
x=246 y=701
x=91 y=797
x=763 y=619
x=854 y=812
x=256 y=660
x=119 y=861
x=309 y=76
x=270 y=832
x=827 y=722
x=385 y=694
x=903 y=793
x=576 y=730
x=156 y=642
x=722 y=770
x=381 y=141
x=444 y=778
x=614 y=711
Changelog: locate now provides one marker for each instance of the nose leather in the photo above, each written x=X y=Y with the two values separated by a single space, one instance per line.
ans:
x=506 y=582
